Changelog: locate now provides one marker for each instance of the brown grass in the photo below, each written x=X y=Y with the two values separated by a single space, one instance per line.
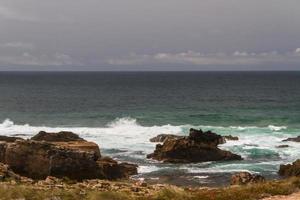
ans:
x=248 y=192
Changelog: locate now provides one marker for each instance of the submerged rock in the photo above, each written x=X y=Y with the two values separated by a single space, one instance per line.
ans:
x=199 y=146
x=290 y=169
x=295 y=139
x=282 y=146
x=77 y=159
x=164 y=137
x=244 y=178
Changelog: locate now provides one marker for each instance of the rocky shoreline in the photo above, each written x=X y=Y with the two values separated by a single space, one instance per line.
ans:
x=65 y=161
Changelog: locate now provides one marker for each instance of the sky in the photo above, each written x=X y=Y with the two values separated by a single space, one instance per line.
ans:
x=180 y=35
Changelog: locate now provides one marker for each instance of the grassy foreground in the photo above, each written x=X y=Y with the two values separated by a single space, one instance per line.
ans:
x=249 y=192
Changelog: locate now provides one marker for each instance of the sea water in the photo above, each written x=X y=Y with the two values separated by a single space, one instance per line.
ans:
x=121 y=111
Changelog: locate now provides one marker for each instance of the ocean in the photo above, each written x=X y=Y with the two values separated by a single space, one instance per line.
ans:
x=121 y=111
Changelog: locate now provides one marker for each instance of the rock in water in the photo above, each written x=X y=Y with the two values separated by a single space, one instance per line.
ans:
x=207 y=137
x=197 y=147
x=164 y=137
x=76 y=160
x=290 y=169
x=230 y=137
x=295 y=139
x=282 y=146
x=244 y=178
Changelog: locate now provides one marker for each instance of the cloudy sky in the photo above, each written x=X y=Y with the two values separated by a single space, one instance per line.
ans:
x=150 y=35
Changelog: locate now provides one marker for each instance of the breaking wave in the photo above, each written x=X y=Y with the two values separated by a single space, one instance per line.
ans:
x=132 y=140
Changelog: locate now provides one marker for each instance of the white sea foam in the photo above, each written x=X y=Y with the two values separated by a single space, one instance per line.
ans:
x=127 y=134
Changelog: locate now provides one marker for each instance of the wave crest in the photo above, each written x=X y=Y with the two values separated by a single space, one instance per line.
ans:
x=125 y=121
x=7 y=123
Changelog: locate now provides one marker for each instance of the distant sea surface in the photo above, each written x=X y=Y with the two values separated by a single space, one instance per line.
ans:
x=122 y=110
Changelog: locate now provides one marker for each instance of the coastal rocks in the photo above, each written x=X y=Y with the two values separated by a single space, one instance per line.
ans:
x=9 y=139
x=63 y=136
x=6 y=173
x=110 y=169
x=76 y=160
x=68 y=140
x=207 y=137
x=244 y=178
x=164 y=137
x=295 y=139
x=38 y=160
x=290 y=169
x=199 y=146
x=230 y=137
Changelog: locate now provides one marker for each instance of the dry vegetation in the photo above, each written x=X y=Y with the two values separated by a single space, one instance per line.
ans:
x=250 y=192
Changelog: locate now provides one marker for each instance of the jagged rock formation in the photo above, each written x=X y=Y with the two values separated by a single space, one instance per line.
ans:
x=290 y=169
x=199 y=146
x=295 y=139
x=164 y=137
x=61 y=155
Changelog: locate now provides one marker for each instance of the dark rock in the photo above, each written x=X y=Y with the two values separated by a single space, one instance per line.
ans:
x=230 y=137
x=207 y=137
x=282 y=146
x=63 y=136
x=194 y=148
x=110 y=169
x=164 y=137
x=290 y=169
x=244 y=178
x=9 y=139
x=295 y=139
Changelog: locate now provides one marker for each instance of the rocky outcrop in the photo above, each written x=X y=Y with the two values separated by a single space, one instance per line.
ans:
x=110 y=169
x=63 y=136
x=207 y=137
x=9 y=139
x=295 y=139
x=290 y=169
x=76 y=160
x=230 y=137
x=68 y=140
x=164 y=137
x=199 y=146
x=244 y=178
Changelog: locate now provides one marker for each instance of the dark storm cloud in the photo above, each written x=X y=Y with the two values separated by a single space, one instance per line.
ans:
x=150 y=35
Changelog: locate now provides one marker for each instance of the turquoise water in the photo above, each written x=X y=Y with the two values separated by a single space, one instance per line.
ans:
x=122 y=110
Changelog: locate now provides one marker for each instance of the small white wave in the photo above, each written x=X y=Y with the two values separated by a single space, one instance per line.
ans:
x=147 y=169
x=121 y=122
x=276 y=128
x=200 y=177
